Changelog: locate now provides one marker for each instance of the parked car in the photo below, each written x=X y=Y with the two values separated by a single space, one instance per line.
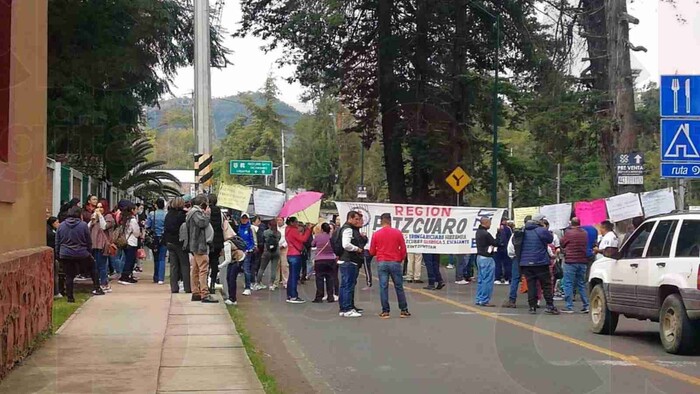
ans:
x=654 y=276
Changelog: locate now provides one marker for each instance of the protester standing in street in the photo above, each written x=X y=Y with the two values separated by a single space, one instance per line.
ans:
x=260 y=228
x=246 y=231
x=575 y=242
x=155 y=223
x=389 y=247
x=323 y=264
x=271 y=254
x=514 y=250
x=177 y=257
x=504 y=267
x=297 y=235
x=74 y=246
x=283 y=265
x=217 y=244
x=432 y=265
x=414 y=267
x=608 y=245
x=198 y=220
x=534 y=263
x=349 y=263
x=486 y=245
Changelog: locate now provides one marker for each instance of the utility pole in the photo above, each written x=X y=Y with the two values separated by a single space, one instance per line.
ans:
x=202 y=85
x=284 y=168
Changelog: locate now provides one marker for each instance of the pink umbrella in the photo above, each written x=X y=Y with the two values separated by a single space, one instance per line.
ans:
x=299 y=203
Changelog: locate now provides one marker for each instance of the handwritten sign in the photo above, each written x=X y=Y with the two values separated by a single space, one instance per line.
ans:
x=591 y=213
x=658 y=202
x=623 y=207
x=519 y=214
x=558 y=215
x=267 y=202
x=234 y=197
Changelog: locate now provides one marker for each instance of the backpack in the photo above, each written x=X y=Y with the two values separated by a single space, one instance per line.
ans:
x=184 y=236
x=518 y=236
x=337 y=241
x=119 y=236
x=273 y=243
x=239 y=243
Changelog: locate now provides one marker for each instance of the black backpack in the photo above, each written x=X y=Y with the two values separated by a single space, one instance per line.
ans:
x=337 y=241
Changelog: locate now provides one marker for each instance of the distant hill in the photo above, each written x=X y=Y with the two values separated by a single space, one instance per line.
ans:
x=225 y=110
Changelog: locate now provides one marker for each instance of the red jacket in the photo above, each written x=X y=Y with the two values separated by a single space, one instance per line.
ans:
x=388 y=245
x=296 y=240
x=575 y=243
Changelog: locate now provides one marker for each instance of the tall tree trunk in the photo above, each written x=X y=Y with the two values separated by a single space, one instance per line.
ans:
x=460 y=105
x=392 y=138
x=420 y=124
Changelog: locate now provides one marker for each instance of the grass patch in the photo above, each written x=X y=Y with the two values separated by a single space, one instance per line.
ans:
x=62 y=310
x=268 y=381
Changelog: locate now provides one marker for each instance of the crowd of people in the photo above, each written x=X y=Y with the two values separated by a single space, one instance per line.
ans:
x=205 y=246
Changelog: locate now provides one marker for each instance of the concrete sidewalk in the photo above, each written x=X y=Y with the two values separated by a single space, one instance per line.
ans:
x=140 y=339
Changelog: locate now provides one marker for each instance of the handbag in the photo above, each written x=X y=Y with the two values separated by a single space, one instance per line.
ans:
x=110 y=249
x=558 y=270
x=140 y=254
x=523 y=285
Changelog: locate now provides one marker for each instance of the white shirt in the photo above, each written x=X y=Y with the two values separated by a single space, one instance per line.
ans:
x=283 y=239
x=134 y=232
x=609 y=241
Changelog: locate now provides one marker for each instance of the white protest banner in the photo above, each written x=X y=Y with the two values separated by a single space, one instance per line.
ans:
x=623 y=207
x=519 y=214
x=427 y=228
x=658 y=202
x=558 y=215
x=234 y=197
x=268 y=202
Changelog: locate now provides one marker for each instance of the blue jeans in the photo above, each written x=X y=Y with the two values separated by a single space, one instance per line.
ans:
x=100 y=266
x=463 y=263
x=129 y=261
x=575 y=277
x=294 y=275
x=432 y=264
x=159 y=262
x=247 y=273
x=348 y=280
x=484 y=289
x=395 y=270
x=118 y=261
x=232 y=272
x=514 y=280
x=504 y=268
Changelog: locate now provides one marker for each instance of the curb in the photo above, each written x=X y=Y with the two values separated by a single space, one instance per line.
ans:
x=70 y=318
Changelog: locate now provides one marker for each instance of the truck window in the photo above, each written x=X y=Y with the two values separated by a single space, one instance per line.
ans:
x=635 y=247
x=689 y=239
x=660 y=244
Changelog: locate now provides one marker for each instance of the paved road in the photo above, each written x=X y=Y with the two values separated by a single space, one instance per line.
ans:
x=451 y=346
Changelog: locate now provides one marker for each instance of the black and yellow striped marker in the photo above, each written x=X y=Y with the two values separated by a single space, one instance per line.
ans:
x=203 y=173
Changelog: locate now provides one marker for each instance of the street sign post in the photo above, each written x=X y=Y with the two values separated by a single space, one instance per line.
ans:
x=250 y=167
x=458 y=179
x=678 y=97
x=630 y=168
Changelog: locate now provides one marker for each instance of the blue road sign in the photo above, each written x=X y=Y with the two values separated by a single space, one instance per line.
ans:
x=680 y=95
x=680 y=170
x=680 y=140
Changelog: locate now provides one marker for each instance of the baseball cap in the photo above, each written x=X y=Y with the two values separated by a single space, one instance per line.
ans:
x=538 y=217
x=245 y=215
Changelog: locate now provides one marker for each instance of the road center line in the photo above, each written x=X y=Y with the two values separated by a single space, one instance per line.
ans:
x=620 y=356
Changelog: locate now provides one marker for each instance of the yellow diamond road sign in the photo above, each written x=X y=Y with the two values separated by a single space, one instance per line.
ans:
x=458 y=179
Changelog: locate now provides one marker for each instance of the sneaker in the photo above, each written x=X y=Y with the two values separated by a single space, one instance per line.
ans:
x=107 y=289
x=261 y=286
x=295 y=300
x=71 y=300
x=506 y=282
x=325 y=297
x=551 y=310
x=246 y=292
x=558 y=298
x=585 y=310
x=496 y=282
x=408 y=280
x=351 y=313
x=58 y=296
x=532 y=310
x=384 y=315
x=196 y=297
x=160 y=282
x=230 y=303
x=317 y=301
x=405 y=314
x=440 y=286
x=429 y=287
x=568 y=311
x=273 y=287
x=462 y=282
x=209 y=300
x=98 y=292
x=124 y=282
x=330 y=300
x=450 y=266
x=418 y=281
x=132 y=280
x=358 y=310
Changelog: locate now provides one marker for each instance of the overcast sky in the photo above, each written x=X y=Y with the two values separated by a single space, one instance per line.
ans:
x=252 y=65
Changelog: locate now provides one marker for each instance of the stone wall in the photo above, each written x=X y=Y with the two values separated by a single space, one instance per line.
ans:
x=26 y=302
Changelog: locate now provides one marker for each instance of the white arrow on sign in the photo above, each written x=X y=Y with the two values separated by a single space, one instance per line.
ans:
x=638 y=159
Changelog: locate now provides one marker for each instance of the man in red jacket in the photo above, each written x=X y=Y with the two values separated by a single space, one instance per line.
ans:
x=389 y=247
x=575 y=243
